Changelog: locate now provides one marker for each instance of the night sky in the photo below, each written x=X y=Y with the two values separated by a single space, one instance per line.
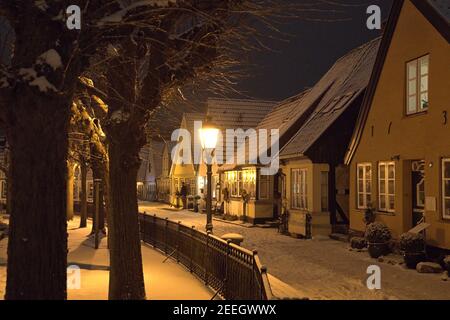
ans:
x=312 y=50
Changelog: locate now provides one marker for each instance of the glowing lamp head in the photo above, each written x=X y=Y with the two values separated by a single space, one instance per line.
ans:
x=209 y=136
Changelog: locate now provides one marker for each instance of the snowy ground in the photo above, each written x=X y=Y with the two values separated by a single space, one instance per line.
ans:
x=321 y=268
x=163 y=281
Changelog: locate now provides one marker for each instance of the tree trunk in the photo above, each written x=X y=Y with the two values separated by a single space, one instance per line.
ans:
x=100 y=200
x=70 y=178
x=83 y=198
x=37 y=246
x=126 y=274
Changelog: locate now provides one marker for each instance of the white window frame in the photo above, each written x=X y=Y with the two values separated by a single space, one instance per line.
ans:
x=386 y=195
x=418 y=80
x=365 y=193
x=445 y=161
x=299 y=189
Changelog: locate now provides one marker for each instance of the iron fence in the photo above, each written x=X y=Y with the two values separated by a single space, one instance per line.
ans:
x=235 y=273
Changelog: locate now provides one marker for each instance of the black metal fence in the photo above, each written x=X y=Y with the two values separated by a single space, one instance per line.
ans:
x=233 y=272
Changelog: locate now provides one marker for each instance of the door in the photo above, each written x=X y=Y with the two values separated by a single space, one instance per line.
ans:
x=418 y=192
x=279 y=193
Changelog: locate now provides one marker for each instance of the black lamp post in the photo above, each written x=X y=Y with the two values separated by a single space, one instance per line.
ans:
x=209 y=135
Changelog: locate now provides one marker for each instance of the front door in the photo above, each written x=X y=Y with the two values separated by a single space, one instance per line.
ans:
x=279 y=193
x=418 y=191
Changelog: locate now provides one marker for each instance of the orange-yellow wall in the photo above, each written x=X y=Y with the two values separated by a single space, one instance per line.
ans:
x=418 y=137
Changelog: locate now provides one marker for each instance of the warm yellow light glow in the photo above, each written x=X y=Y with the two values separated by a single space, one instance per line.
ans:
x=208 y=137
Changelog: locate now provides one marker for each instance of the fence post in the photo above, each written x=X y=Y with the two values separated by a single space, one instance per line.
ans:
x=178 y=242
x=192 y=249
x=154 y=231
x=165 y=234
x=225 y=281
x=206 y=262
x=263 y=272
x=143 y=226
x=255 y=272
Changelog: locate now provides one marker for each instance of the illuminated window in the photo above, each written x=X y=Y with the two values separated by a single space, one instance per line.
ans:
x=417 y=85
x=446 y=188
x=364 y=185
x=386 y=186
x=299 y=189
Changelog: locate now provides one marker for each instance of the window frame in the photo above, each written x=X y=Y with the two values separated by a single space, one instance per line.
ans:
x=301 y=195
x=364 y=192
x=418 y=86
x=386 y=179
x=444 y=179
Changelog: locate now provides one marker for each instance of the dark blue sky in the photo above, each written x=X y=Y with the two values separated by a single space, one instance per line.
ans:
x=312 y=50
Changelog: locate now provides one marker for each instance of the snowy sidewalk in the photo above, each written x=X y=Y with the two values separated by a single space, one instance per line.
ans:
x=320 y=268
x=163 y=281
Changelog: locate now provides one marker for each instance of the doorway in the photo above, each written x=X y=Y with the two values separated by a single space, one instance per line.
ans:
x=418 y=191
x=279 y=193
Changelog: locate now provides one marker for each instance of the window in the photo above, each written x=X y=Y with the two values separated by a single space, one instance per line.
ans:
x=324 y=190
x=386 y=186
x=299 y=189
x=264 y=187
x=249 y=182
x=417 y=85
x=364 y=185
x=446 y=188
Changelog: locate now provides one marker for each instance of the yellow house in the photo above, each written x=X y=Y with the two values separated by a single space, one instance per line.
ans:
x=182 y=171
x=240 y=114
x=316 y=181
x=400 y=151
x=163 y=182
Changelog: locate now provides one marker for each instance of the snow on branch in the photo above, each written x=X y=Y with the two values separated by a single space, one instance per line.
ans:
x=119 y=15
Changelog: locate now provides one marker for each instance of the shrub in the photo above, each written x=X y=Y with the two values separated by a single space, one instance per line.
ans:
x=369 y=215
x=377 y=232
x=358 y=243
x=412 y=242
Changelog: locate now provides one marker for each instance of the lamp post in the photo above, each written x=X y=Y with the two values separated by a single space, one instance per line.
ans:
x=208 y=136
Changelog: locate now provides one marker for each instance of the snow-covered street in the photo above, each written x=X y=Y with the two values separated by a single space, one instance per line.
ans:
x=163 y=281
x=321 y=268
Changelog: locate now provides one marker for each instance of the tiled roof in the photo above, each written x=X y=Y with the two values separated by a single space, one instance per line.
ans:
x=343 y=83
x=283 y=114
x=238 y=113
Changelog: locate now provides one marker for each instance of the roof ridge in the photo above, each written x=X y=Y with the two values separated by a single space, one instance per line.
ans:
x=359 y=48
x=243 y=100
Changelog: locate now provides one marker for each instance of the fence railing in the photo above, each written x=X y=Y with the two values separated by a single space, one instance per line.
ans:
x=235 y=273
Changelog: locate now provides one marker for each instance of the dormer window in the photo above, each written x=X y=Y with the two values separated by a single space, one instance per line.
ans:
x=417 y=85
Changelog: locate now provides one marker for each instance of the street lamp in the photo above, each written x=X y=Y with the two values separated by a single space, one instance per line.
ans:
x=208 y=136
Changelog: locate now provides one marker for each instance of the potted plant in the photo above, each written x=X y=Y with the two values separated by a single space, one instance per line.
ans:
x=413 y=248
x=196 y=199
x=377 y=237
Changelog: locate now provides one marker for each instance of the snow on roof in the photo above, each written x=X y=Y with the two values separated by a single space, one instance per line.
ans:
x=283 y=114
x=345 y=81
x=442 y=7
x=238 y=113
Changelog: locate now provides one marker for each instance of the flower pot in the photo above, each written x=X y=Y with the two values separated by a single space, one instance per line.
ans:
x=377 y=250
x=412 y=259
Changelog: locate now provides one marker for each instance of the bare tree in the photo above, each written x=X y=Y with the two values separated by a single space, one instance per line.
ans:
x=156 y=47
